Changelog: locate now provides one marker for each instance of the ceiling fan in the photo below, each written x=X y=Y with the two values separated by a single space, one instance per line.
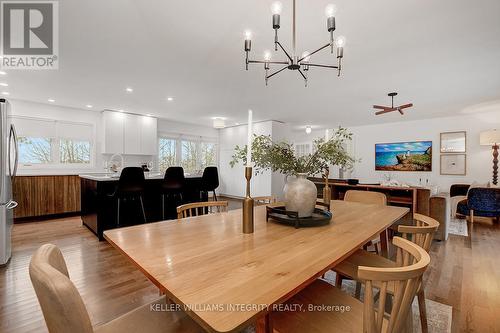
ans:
x=387 y=109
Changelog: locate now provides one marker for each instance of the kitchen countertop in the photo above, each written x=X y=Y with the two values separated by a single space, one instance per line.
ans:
x=106 y=177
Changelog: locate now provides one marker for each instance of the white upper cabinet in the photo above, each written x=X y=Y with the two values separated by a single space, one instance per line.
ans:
x=149 y=135
x=132 y=134
x=129 y=134
x=113 y=132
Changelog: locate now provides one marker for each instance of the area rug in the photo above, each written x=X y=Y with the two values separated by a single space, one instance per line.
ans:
x=458 y=227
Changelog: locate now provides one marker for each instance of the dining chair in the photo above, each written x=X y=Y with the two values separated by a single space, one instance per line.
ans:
x=64 y=310
x=172 y=186
x=265 y=200
x=367 y=197
x=210 y=181
x=131 y=185
x=320 y=307
x=201 y=208
x=421 y=234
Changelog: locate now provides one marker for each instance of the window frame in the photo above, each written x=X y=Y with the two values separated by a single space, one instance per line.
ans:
x=55 y=150
x=179 y=138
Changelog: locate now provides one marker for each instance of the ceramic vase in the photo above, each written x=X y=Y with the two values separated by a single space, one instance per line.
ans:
x=300 y=195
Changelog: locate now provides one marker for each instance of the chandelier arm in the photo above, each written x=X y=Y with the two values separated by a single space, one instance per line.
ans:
x=323 y=66
x=305 y=78
x=286 y=53
x=268 y=62
x=278 y=71
x=310 y=54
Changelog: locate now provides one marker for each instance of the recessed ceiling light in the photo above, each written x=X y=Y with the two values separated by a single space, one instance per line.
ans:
x=237 y=124
x=308 y=129
x=89 y=106
x=3 y=84
x=6 y=93
x=3 y=73
x=50 y=100
x=120 y=110
x=170 y=99
x=129 y=90
x=149 y=115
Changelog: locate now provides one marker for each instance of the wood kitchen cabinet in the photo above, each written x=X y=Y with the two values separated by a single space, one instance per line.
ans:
x=46 y=195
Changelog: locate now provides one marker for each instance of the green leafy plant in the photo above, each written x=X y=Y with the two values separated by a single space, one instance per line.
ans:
x=281 y=156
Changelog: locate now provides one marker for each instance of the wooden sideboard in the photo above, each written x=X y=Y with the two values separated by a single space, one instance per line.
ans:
x=415 y=198
x=46 y=195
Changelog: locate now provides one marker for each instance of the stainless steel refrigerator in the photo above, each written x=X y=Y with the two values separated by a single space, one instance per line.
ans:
x=8 y=168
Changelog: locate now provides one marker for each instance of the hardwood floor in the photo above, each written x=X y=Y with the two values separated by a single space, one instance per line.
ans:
x=464 y=273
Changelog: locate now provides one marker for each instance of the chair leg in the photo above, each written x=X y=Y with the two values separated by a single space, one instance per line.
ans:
x=423 y=311
x=338 y=280
x=118 y=213
x=215 y=196
x=142 y=208
x=163 y=206
x=357 y=292
x=471 y=216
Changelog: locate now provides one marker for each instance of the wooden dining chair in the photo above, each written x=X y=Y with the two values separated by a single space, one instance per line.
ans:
x=64 y=310
x=371 y=198
x=265 y=200
x=201 y=208
x=421 y=234
x=311 y=316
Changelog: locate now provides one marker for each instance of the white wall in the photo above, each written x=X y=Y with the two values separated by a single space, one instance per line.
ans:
x=171 y=127
x=479 y=158
x=232 y=180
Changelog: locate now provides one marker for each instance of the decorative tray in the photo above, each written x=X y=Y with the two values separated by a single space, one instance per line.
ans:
x=279 y=214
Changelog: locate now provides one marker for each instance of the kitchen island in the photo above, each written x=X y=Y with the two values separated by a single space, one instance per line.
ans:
x=99 y=207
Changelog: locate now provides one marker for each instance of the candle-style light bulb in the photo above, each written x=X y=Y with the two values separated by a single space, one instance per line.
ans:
x=267 y=55
x=330 y=10
x=276 y=8
x=248 y=34
x=308 y=130
x=340 y=41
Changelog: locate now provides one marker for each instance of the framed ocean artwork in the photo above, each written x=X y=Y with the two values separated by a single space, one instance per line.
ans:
x=404 y=156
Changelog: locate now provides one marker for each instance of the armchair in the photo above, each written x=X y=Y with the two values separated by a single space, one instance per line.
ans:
x=483 y=202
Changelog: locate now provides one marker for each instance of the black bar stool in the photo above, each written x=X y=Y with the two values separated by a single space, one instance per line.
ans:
x=173 y=185
x=130 y=185
x=210 y=180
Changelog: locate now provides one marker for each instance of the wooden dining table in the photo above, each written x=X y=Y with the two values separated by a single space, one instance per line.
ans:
x=227 y=280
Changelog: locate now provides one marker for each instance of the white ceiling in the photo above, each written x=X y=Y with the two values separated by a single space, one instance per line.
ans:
x=444 y=56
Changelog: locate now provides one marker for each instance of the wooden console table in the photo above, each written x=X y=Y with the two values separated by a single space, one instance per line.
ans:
x=415 y=198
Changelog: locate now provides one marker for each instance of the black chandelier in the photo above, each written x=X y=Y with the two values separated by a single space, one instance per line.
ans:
x=294 y=62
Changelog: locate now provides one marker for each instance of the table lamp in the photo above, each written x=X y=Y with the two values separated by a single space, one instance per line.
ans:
x=492 y=138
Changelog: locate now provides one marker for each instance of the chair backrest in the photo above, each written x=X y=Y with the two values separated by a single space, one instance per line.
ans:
x=412 y=261
x=367 y=197
x=201 y=208
x=422 y=232
x=459 y=189
x=486 y=199
x=62 y=305
x=210 y=179
x=131 y=180
x=265 y=200
x=174 y=178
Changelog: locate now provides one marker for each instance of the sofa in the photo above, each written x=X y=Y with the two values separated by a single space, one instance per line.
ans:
x=481 y=201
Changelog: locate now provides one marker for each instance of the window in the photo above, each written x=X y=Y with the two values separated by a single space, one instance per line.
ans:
x=208 y=154
x=74 y=151
x=193 y=154
x=189 y=156
x=47 y=143
x=302 y=149
x=166 y=153
x=35 y=150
